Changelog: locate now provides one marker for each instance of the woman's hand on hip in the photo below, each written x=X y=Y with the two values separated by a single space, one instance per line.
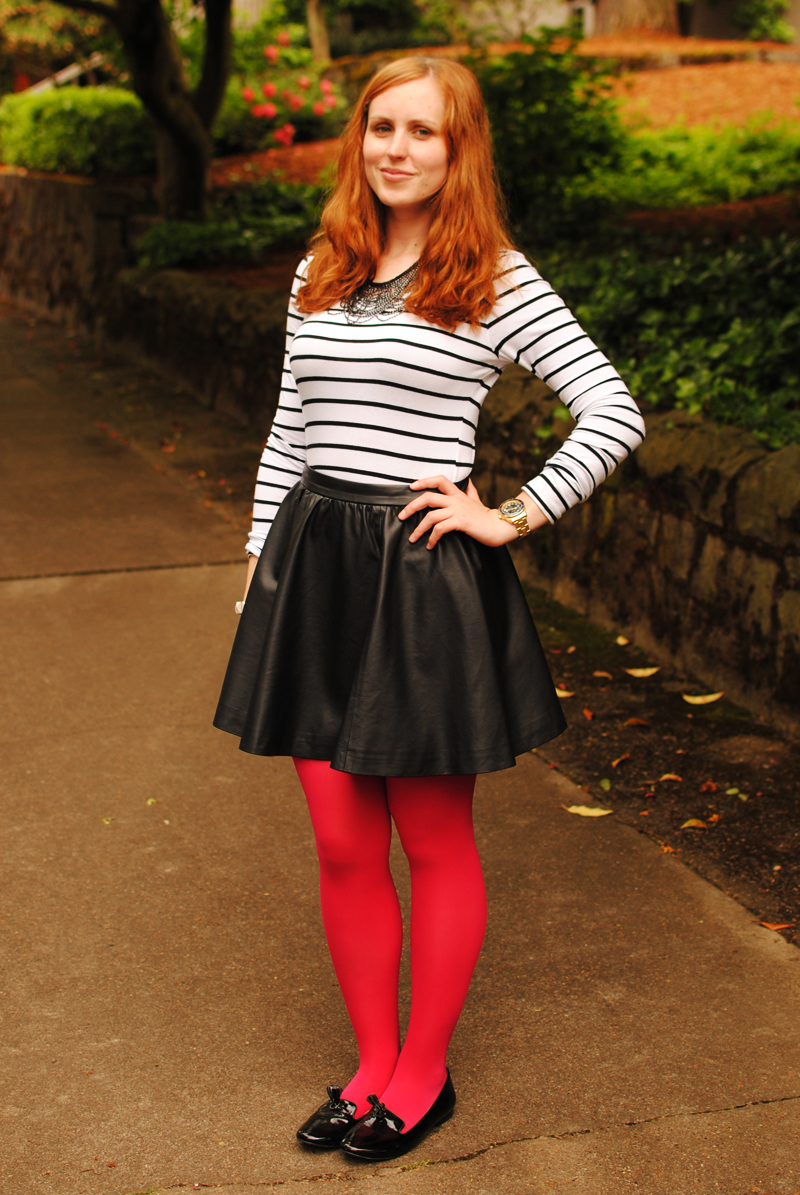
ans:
x=451 y=509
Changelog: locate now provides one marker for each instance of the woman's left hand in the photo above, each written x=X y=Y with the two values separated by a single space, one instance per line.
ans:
x=451 y=509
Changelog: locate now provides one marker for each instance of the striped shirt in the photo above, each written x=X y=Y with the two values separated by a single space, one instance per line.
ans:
x=396 y=399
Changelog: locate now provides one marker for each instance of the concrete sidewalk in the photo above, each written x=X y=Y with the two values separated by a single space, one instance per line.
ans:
x=169 y=1010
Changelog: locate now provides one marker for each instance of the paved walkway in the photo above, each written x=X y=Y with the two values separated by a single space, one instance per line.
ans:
x=169 y=1011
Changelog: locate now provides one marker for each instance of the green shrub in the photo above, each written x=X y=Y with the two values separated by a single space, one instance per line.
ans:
x=680 y=167
x=763 y=20
x=77 y=130
x=554 y=127
x=701 y=328
x=244 y=223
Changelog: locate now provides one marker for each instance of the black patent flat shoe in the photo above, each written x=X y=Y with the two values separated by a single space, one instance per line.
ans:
x=326 y=1127
x=379 y=1136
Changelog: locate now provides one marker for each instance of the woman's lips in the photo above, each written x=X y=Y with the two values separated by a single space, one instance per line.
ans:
x=396 y=173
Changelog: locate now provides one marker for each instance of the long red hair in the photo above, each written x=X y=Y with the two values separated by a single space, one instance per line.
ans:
x=458 y=268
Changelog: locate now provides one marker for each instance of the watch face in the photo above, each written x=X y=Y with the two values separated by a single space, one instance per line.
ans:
x=512 y=508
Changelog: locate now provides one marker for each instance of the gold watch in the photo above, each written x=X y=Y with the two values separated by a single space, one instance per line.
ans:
x=513 y=511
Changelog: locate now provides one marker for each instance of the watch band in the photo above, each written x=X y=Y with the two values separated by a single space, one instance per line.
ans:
x=513 y=511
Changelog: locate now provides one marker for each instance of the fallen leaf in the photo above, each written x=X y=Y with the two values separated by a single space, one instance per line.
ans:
x=152 y=801
x=708 y=786
x=562 y=693
x=666 y=849
x=587 y=810
x=777 y=924
x=706 y=698
x=644 y=813
x=570 y=650
x=167 y=447
x=731 y=792
x=714 y=817
x=693 y=823
x=616 y=762
x=588 y=714
x=621 y=640
x=636 y=722
x=107 y=821
x=643 y=671
x=742 y=796
x=606 y=674
x=670 y=776
x=605 y=784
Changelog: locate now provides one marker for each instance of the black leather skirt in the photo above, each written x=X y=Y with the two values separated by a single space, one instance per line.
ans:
x=381 y=656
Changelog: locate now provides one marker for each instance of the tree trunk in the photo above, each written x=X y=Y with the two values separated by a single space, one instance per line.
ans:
x=182 y=175
x=636 y=16
x=317 y=31
x=184 y=120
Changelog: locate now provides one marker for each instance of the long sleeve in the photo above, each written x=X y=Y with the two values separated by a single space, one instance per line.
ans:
x=535 y=329
x=284 y=454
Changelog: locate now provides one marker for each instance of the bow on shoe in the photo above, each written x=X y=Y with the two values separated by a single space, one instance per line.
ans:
x=380 y=1115
x=337 y=1104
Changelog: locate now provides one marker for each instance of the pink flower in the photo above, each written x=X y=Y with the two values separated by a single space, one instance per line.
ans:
x=304 y=82
x=284 y=38
x=330 y=100
x=318 y=108
x=248 y=94
x=285 y=135
x=271 y=52
x=269 y=110
x=326 y=86
x=296 y=102
x=269 y=90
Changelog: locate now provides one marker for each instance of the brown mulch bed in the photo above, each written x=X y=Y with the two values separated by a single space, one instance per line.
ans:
x=731 y=772
x=723 y=93
x=303 y=163
x=763 y=217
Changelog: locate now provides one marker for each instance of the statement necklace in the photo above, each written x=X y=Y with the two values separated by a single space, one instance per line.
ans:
x=378 y=300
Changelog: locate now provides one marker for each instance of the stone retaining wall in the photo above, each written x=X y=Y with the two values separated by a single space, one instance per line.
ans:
x=225 y=344
x=63 y=240
x=693 y=546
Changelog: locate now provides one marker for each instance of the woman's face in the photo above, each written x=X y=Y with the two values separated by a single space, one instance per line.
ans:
x=405 y=154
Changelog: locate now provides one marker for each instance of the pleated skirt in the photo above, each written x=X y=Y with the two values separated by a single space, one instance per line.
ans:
x=382 y=656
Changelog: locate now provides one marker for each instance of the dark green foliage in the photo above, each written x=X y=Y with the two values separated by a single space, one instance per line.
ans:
x=554 y=126
x=699 y=327
x=763 y=20
x=77 y=130
x=244 y=223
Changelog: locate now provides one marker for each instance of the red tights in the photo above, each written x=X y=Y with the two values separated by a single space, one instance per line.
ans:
x=352 y=819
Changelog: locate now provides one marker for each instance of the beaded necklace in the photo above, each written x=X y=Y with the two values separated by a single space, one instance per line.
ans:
x=378 y=300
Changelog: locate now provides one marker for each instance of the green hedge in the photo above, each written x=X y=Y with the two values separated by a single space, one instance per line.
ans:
x=696 y=327
x=77 y=130
x=244 y=223
x=680 y=167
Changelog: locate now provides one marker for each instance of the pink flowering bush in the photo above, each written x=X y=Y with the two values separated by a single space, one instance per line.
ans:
x=298 y=104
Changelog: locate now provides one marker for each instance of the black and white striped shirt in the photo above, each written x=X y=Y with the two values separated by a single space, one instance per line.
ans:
x=396 y=399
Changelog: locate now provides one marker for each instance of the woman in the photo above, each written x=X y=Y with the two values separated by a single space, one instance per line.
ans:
x=385 y=642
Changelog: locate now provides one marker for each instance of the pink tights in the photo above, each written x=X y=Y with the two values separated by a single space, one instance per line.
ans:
x=352 y=819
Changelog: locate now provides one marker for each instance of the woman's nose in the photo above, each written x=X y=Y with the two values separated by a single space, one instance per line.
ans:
x=398 y=146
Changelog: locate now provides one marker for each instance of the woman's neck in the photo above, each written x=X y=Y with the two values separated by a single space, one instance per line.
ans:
x=406 y=234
